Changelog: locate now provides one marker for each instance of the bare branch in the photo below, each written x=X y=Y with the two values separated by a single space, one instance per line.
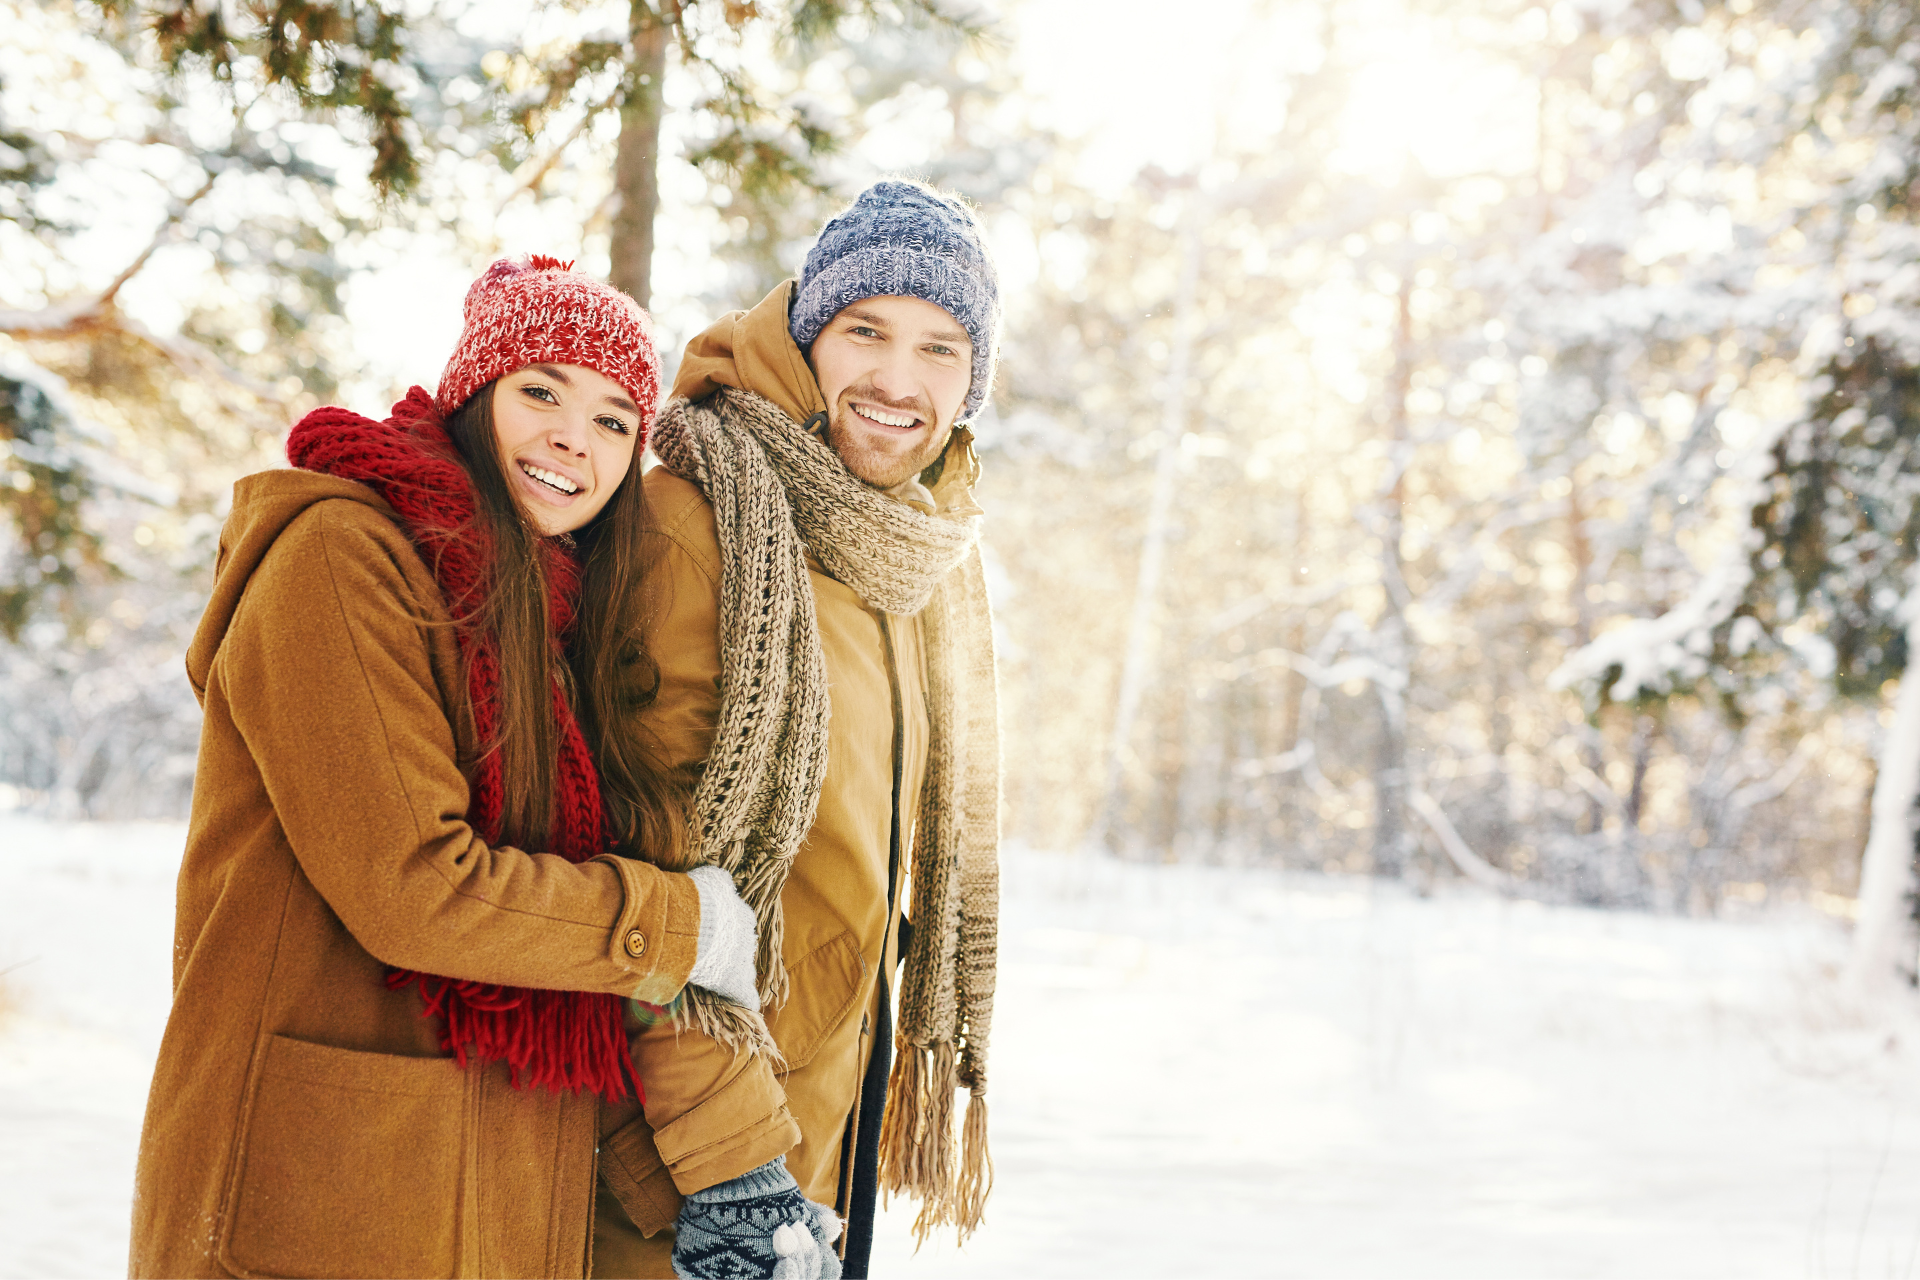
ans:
x=1774 y=786
x=160 y=236
x=533 y=180
x=63 y=318
x=1586 y=779
x=1471 y=864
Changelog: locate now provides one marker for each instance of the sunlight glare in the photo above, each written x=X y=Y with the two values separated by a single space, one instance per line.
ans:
x=1450 y=112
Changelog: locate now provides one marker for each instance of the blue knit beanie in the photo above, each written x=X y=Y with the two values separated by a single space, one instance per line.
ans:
x=904 y=239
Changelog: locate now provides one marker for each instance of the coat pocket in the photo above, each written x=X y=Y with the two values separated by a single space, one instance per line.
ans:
x=349 y=1165
x=824 y=985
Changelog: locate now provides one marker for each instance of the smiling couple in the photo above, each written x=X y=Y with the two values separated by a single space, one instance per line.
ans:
x=558 y=827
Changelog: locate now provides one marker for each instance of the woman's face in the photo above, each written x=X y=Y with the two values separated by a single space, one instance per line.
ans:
x=566 y=438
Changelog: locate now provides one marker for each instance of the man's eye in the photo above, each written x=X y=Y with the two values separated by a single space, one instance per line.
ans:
x=865 y=332
x=942 y=351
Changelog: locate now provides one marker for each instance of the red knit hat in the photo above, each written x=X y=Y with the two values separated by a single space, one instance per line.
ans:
x=540 y=310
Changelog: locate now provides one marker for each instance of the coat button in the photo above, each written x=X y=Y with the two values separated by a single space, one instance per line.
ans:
x=636 y=943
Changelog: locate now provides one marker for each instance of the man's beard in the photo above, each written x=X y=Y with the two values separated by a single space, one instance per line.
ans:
x=882 y=469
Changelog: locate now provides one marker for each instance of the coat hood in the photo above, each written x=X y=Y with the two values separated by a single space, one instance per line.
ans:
x=754 y=351
x=263 y=506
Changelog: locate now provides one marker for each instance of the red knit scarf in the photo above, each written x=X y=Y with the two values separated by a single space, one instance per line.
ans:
x=558 y=1039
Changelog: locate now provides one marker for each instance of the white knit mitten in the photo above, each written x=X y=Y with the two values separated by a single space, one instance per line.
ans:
x=724 y=963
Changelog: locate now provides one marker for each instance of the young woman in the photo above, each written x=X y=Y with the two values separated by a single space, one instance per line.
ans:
x=413 y=902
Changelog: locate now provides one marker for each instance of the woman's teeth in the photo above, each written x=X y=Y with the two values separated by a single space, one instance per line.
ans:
x=884 y=418
x=549 y=478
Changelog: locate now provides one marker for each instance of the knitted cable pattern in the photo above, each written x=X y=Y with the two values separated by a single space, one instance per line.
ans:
x=554 y=1039
x=777 y=493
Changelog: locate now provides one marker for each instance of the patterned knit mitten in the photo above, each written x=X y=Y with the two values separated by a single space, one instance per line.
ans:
x=756 y=1227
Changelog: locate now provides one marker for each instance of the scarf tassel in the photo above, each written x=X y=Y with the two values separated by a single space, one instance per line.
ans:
x=976 y=1168
x=918 y=1152
x=900 y=1125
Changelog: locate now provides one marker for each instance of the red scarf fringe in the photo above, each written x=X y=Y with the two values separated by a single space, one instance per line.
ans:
x=552 y=1039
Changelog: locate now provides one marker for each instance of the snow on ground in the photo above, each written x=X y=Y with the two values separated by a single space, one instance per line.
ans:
x=1205 y=1072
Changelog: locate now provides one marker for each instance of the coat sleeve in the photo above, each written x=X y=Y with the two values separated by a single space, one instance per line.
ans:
x=328 y=673
x=714 y=1113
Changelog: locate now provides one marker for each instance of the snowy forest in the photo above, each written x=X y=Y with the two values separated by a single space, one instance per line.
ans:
x=1451 y=494
x=1433 y=440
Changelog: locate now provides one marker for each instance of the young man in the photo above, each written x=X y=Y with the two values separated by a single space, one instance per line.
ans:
x=826 y=673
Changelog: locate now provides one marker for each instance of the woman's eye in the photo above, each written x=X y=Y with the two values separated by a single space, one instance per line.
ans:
x=539 y=392
x=615 y=424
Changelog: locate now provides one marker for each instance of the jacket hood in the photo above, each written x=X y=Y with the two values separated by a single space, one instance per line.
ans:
x=754 y=351
x=263 y=506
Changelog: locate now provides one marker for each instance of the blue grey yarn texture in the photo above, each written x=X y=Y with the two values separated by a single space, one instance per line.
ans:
x=727 y=1230
x=903 y=239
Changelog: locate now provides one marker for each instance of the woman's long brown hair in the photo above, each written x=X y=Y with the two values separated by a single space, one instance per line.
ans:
x=609 y=672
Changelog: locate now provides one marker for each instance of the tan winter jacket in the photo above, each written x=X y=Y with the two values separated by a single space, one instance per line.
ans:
x=302 y=1119
x=841 y=927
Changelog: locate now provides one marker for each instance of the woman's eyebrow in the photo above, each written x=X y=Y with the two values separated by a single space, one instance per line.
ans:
x=554 y=372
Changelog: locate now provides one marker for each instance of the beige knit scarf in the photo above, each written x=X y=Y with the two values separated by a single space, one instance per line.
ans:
x=777 y=493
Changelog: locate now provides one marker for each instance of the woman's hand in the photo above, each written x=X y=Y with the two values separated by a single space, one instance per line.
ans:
x=758 y=1224
x=729 y=940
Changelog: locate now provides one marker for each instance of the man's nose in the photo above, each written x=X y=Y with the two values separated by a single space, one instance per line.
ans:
x=893 y=376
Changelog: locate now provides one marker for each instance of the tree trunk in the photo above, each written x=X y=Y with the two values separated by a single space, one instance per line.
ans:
x=636 y=164
x=1142 y=625
x=1883 y=939
x=1642 y=750
x=1392 y=841
x=1581 y=549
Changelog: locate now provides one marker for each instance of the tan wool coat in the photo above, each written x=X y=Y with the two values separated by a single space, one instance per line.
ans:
x=842 y=927
x=303 y=1120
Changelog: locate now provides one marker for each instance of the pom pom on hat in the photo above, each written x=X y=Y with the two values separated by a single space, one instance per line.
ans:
x=539 y=310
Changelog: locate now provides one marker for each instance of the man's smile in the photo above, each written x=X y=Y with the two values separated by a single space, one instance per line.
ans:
x=893 y=419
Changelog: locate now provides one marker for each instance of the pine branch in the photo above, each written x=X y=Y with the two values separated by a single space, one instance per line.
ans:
x=96 y=313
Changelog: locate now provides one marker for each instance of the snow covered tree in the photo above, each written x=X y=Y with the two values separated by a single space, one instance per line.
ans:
x=392 y=69
x=1800 y=443
x=118 y=440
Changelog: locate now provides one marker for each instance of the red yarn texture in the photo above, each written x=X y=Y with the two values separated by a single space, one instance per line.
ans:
x=554 y=1039
x=527 y=311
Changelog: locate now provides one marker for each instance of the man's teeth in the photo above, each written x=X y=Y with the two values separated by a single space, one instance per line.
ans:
x=549 y=478
x=886 y=419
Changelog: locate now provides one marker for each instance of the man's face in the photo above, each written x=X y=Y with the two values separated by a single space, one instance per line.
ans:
x=894 y=372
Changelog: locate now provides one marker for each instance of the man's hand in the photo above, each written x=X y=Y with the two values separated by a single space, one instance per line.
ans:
x=804 y=1250
x=757 y=1225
